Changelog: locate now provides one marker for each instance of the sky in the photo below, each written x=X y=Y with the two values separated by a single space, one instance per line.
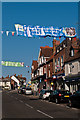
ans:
x=22 y=49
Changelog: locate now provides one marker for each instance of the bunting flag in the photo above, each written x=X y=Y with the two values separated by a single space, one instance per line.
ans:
x=59 y=37
x=12 y=33
x=27 y=66
x=7 y=32
x=2 y=32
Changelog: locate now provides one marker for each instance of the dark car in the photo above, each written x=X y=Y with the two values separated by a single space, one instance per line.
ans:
x=21 y=90
x=44 y=94
x=74 y=99
x=59 y=96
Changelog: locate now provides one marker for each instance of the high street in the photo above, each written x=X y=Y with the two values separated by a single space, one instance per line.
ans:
x=16 y=105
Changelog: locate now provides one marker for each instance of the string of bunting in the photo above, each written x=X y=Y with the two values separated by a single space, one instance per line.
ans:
x=7 y=32
x=13 y=33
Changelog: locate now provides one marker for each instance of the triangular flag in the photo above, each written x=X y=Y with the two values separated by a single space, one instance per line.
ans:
x=27 y=66
x=74 y=38
x=59 y=37
x=2 y=32
x=12 y=33
x=7 y=32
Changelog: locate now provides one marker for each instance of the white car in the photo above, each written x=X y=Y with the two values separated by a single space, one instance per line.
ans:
x=44 y=94
x=28 y=91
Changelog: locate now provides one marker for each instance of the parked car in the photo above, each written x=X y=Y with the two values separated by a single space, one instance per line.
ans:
x=74 y=100
x=28 y=91
x=59 y=96
x=44 y=94
x=6 y=87
x=21 y=90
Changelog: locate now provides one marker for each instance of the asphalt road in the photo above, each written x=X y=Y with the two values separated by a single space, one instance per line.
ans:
x=16 y=105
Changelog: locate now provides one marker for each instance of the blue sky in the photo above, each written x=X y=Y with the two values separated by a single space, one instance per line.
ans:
x=23 y=49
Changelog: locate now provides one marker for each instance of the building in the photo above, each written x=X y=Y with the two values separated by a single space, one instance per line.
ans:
x=17 y=81
x=40 y=73
x=72 y=67
x=5 y=83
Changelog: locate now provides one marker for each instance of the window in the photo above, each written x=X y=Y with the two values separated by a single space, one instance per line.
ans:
x=71 y=51
x=49 y=73
x=58 y=66
x=62 y=62
x=55 y=65
x=70 y=66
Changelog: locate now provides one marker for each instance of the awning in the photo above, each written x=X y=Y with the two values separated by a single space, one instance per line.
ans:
x=72 y=79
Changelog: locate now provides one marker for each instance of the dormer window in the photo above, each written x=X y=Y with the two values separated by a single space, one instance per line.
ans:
x=71 y=51
x=69 y=38
x=57 y=51
x=60 y=48
x=64 y=45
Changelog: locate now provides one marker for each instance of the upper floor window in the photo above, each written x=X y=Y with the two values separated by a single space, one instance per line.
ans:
x=32 y=67
x=62 y=61
x=71 y=51
x=55 y=65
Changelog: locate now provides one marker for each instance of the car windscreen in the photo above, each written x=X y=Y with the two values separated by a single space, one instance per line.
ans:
x=47 y=91
x=65 y=92
x=28 y=89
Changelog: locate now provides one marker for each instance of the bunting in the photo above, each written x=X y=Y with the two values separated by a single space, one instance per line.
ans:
x=42 y=31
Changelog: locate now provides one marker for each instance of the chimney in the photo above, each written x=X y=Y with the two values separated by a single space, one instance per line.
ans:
x=15 y=74
x=21 y=75
x=55 y=44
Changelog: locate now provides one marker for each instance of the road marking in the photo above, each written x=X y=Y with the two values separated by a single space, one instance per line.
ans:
x=74 y=108
x=28 y=105
x=16 y=98
x=44 y=114
x=20 y=100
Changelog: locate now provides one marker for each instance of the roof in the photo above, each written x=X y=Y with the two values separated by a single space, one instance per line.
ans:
x=35 y=64
x=76 y=56
x=46 y=51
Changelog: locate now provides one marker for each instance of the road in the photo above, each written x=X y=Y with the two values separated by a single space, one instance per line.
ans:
x=16 y=105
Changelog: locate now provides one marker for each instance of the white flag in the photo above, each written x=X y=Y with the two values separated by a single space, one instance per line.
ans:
x=7 y=32
x=2 y=32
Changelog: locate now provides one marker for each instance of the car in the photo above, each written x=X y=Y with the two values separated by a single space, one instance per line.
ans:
x=21 y=90
x=59 y=96
x=44 y=94
x=74 y=100
x=28 y=91
x=6 y=87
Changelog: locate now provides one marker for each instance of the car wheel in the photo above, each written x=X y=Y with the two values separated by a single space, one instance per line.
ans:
x=70 y=103
x=57 y=101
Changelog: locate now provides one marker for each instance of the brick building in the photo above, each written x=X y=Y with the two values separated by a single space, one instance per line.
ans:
x=72 y=66
x=40 y=73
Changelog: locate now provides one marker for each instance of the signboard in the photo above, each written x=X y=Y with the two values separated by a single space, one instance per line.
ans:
x=39 y=31
x=14 y=64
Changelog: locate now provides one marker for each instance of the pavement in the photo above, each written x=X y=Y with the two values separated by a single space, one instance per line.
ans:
x=19 y=106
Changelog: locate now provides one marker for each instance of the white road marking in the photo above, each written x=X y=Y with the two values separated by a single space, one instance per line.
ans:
x=74 y=108
x=28 y=105
x=44 y=114
x=20 y=100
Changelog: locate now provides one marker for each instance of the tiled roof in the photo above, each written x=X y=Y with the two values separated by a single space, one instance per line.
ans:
x=46 y=51
x=76 y=56
x=35 y=64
